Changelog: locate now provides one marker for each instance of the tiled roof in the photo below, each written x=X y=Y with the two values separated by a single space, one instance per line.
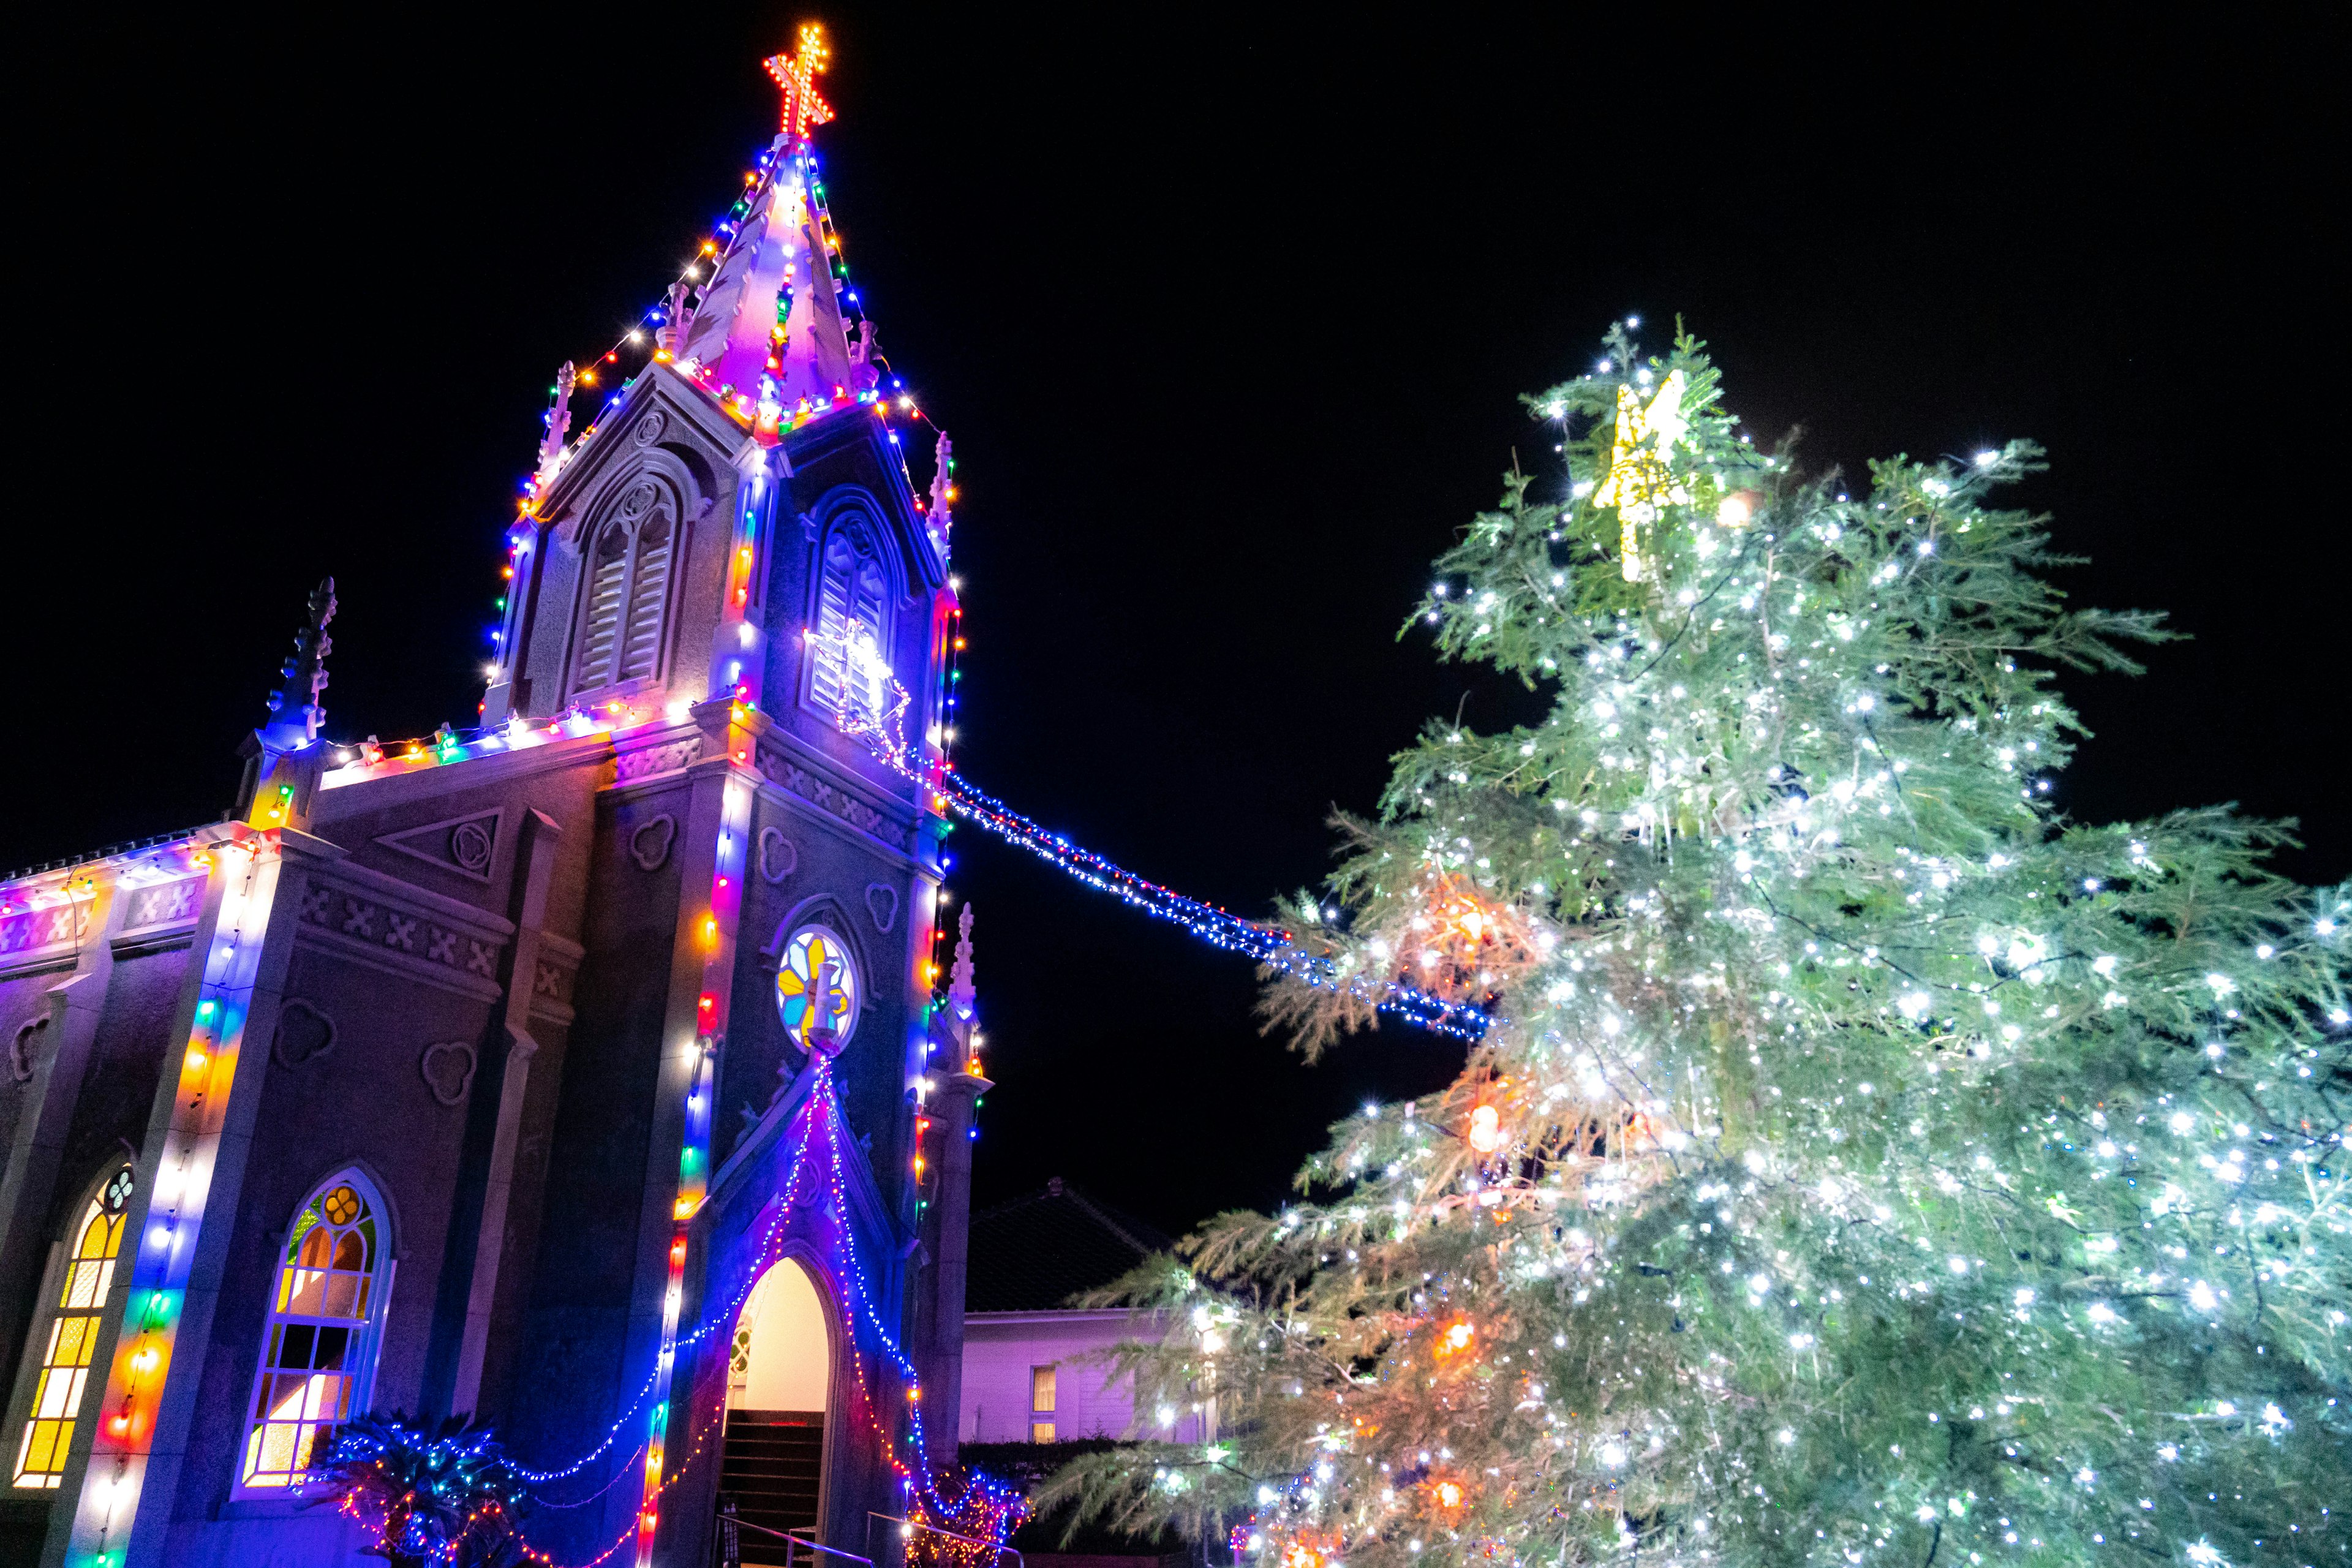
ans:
x=1034 y=1254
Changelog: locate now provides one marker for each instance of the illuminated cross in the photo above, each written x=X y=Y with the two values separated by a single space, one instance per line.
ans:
x=796 y=74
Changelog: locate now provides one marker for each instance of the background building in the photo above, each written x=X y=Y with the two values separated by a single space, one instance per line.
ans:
x=1038 y=1389
x=1034 y=1367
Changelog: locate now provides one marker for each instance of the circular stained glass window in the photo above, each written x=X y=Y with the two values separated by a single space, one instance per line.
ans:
x=817 y=990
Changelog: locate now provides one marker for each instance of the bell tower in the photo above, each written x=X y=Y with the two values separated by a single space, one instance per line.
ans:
x=732 y=571
x=701 y=540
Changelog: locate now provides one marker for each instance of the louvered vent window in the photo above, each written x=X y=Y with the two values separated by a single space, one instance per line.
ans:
x=852 y=633
x=628 y=592
x=648 y=592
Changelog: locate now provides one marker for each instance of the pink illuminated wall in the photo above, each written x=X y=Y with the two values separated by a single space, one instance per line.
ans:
x=1001 y=1349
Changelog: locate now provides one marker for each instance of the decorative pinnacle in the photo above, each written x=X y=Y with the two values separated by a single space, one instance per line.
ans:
x=670 y=336
x=961 y=995
x=304 y=676
x=558 y=423
x=796 y=74
x=943 y=464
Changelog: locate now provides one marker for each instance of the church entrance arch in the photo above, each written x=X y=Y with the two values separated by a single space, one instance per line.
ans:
x=779 y=1392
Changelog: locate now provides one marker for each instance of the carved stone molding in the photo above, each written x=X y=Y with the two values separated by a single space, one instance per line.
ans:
x=31 y=928
x=405 y=939
x=470 y=844
x=304 y=1034
x=24 y=1045
x=463 y=845
x=639 y=502
x=648 y=430
x=778 y=857
x=161 y=903
x=829 y=798
x=649 y=843
x=447 y=1068
x=882 y=903
x=655 y=760
x=555 y=977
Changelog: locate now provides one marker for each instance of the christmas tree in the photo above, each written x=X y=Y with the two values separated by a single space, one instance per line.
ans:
x=1863 y=1163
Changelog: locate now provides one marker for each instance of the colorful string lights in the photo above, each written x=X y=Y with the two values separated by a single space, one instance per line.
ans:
x=1270 y=946
x=796 y=74
x=813 y=1189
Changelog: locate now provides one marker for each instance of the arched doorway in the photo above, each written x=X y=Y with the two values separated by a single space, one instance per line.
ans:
x=779 y=1386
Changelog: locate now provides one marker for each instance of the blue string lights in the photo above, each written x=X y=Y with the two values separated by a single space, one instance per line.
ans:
x=953 y=795
x=981 y=1507
x=1269 y=945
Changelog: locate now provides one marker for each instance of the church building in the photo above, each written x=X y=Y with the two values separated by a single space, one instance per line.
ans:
x=601 y=1073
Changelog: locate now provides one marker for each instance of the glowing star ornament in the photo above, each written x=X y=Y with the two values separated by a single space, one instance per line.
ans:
x=1641 y=476
x=796 y=74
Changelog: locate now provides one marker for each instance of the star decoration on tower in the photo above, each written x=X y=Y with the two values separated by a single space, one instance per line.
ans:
x=796 y=74
x=1640 y=477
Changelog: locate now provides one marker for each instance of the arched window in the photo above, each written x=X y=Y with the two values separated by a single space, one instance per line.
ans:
x=629 y=563
x=318 y=1352
x=82 y=1299
x=848 y=668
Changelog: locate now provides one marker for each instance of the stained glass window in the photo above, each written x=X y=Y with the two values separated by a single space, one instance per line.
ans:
x=73 y=1335
x=318 y=1350
x=817 y=990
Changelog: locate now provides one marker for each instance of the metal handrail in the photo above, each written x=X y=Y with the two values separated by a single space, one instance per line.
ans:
x=819 y=1546
x=790 y=1539
x=998 y=1547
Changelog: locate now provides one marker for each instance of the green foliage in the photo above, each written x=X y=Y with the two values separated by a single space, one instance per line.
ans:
x=1866 y=1164
x=448 y=1496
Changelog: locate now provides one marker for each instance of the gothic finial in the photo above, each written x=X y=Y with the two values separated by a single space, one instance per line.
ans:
x=302 y=678
x=961 y=995
x=558 y=423
x=671 y=335
x=942 y=483
x=863 y=345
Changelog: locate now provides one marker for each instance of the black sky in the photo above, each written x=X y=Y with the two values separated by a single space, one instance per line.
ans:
x=1228 y=316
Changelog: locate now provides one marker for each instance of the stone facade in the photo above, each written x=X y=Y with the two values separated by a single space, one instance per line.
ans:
x=522 y=987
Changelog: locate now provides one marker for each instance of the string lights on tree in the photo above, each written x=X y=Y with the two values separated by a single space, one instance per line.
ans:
x=1863 y=1163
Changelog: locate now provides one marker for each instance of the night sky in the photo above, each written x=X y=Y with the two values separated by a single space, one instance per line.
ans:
x=1229 y=320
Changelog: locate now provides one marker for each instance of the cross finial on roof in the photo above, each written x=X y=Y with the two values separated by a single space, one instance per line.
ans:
x=796 y=74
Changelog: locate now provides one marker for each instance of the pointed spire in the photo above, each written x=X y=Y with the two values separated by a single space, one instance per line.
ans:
x=295 y=710
x=558 y=423
x=283 y=761
x=960 y=994
x=768 y=335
